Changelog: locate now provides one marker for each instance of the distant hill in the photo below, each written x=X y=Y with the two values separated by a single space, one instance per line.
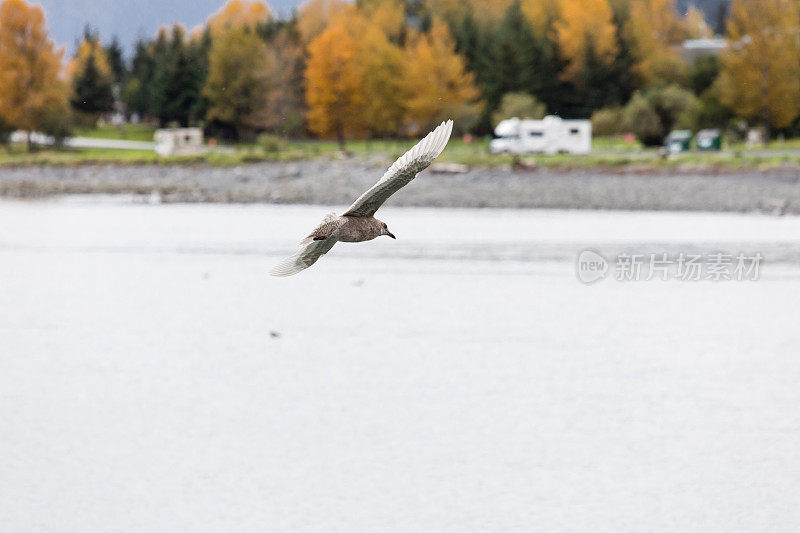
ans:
x=130 y=19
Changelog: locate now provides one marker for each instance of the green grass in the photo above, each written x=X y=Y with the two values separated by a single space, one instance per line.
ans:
x=615 y=143
x=609 y=153
x=18 y=156
x=128 y=132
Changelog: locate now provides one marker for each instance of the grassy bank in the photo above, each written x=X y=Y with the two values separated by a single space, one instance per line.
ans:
x=125 y=132
x=610 y=153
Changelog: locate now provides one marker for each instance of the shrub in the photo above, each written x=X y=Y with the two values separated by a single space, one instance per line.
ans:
x=670 y=103
x=641 y=118
x=607 y=121
x=653 y=114
x=58 y=122
x=709 y=111
x=292 y=124
x=465 y=116
x=271 y=143
x=703 y=72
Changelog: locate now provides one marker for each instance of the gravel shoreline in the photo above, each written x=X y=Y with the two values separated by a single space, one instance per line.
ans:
x=338 y=182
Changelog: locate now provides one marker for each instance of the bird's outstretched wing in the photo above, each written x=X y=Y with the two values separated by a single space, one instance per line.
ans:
x=402 y=171
x=312 y=248
x=310 y=251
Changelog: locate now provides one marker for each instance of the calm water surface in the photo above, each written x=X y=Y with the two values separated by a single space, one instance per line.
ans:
x=153 y=376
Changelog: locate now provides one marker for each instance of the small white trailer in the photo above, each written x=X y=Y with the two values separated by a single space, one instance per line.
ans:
x=179 y=141
x=551 y=135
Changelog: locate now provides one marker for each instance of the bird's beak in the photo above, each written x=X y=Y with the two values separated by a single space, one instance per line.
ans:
x=390 y=235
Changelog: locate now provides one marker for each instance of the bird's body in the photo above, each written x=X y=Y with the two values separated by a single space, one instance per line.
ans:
x=359 y=229
x=358 y=223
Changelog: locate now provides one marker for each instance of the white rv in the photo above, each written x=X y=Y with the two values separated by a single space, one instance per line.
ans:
x=551 y=135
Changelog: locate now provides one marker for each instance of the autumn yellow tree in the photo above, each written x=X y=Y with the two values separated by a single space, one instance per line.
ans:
x=285 y=112
x=373 y=26
x=32 y=95
x=695 y=24
x=586 y=27
x=488 y=11
x=541 y=14
x=760 y=78
x=334 y=88
x=654 y=27
x=238 y=14
x=387 y=15
x=381 y=71
x=90 y=46
x=436 y=83
x=314 y=16
x=238 y=81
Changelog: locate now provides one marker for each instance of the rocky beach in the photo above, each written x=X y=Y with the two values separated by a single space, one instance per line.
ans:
x=338 y=182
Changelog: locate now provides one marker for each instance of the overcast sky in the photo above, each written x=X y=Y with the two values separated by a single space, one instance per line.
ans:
x=128 y=19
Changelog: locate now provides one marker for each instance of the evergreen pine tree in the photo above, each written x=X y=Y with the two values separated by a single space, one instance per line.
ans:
x=591 y=91
x=183 y=80
x=468 y=37
x=519 y=60
x=198 y=60
x=163 y=59
x=167 y=76
x=92 y=91
x=114 y=54
x=138 y=87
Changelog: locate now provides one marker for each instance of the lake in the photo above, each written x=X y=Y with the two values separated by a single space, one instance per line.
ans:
x=154 y=377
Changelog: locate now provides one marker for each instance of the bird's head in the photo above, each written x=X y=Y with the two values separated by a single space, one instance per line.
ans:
x=385 y=230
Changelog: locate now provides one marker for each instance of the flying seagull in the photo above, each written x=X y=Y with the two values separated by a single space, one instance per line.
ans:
x=358 y=223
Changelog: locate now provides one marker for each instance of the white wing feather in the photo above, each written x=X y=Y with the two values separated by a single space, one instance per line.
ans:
x=402 y=171
x=310 y=251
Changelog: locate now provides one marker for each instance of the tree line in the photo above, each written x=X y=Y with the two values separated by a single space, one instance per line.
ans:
x=376 y=68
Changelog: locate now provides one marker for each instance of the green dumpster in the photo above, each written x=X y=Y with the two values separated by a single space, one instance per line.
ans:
x=678 y=141
x=708 y=140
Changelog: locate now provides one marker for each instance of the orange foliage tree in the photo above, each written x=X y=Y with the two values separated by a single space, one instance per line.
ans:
x=334 y=88
x=760 y=78
x=238 y=14
x=540 y=14
x=374 y=65
x=315 y=15
x=586 y=27
x=386 y=15
x=695 y=24
x=653 y=29
x=32 y=95
x=381 y=65
x=436 y=83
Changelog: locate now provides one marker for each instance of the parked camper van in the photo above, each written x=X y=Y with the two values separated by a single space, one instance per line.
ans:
x=551 y=135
